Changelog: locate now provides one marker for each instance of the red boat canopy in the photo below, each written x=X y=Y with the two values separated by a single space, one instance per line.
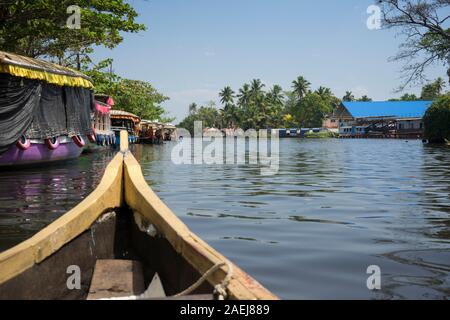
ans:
x=102 y=108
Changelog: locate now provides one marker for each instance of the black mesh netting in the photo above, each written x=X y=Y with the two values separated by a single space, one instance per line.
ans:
x=18 y=100
x=49 y=118
x=79 y=104
x=40 y=110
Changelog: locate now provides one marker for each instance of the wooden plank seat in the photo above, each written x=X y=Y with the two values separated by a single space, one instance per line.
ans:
x=123 y=278
x=116 y=278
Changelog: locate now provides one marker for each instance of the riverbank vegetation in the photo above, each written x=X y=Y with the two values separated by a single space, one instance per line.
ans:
x=258 y=107
x=437 y=121
x=321 y=135
x=41 y=29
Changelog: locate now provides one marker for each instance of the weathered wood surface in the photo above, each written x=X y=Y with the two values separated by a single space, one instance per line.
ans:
x=48 y=279
x=140 y=197
x=50 y=239
x=116 y=278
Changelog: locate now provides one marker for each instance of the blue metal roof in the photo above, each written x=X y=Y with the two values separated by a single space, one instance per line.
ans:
x=400 y=109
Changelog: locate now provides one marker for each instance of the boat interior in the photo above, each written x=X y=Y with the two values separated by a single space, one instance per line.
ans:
x=118 y=256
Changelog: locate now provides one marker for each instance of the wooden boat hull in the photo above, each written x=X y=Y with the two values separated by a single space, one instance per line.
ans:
x=39 y=153
x=113 y=223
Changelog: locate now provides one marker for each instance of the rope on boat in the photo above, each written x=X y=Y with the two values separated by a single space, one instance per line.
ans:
x=220 y=289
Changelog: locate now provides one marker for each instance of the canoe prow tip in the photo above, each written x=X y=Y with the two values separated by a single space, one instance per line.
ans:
x=123 y=141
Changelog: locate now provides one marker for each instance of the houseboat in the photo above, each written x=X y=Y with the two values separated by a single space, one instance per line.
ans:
x=44 y=111
x=147 y=132
x=122 y=120
x=169 y=132
x=101 y=121
x=153 y=132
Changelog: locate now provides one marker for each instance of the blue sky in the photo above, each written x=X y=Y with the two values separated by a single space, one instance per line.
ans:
x=193 y=48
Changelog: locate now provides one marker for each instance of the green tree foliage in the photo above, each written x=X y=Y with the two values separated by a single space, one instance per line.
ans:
x=405 y=97
x=348 y=96
x=256 y=108
x=437 y=120
x=427 y=35
x=433 y=90
x=324 y=93
x=312 y=110
x=140 y=98
x=275 y=106
x=300 y=87
x=365 y=98
x=134 y=96
x=408 y=97
x=229 y=112
x=192 y=108
x=37 y=28
x=209 y=115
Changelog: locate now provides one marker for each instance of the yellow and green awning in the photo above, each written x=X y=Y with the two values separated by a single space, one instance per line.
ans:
x=29 y=68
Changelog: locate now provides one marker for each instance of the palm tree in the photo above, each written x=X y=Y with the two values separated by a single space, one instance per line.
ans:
x=256 y=87
x=275 y=95
x=408 y=97
x=348 y=96
x=275 y=100
x=301 y=87
x=439 y=84
x=192 y=108
x=227 y=96
x=244 y=95
x=365 y=98
x=324 y=93
x=229 y=112
x=258 y=104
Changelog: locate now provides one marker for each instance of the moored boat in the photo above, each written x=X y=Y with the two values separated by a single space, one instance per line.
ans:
x=122 y=239
x=123 y=120
x=44 y=111
x=154 y=132
x=169 y=132
x=147 y=131
x=101 y=121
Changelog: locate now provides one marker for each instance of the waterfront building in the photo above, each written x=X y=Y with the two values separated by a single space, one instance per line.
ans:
x=390 y=119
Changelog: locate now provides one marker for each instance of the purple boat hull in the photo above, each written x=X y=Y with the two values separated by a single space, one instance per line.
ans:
x=39 y=153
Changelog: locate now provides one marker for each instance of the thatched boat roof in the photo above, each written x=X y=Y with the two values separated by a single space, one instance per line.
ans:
x=25 y=67
x=120 y=114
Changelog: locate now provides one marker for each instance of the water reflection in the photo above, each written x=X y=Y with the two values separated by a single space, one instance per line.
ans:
x=30 y=198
